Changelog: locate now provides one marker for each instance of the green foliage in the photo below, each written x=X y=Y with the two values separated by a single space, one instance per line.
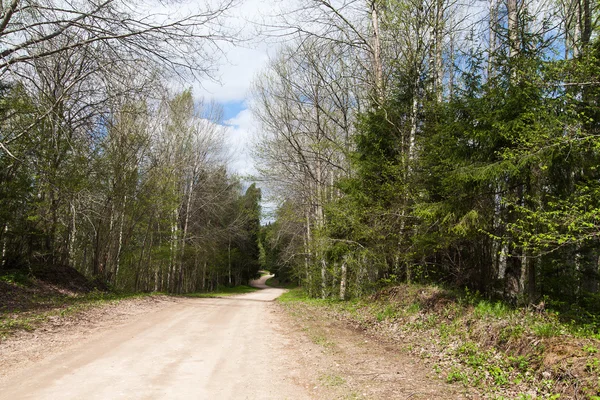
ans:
x=548 y=329
x=223 y=291
x=456 y=375
x=17 y=277
x=487 y=309
x=134 y=194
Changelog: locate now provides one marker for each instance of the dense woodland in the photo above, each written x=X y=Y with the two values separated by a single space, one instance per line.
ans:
x=105 y=169
x=405 y=141
x=436 y=141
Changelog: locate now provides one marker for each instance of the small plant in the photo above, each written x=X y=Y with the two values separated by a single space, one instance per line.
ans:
x=413 y=308
x=487 y=309
x=547 y=329
x=524 y=396
x=332 y=380
x=511 y=332
x=468 y=348
x=590 y=349
x=521 y=363
x=593 y=365
x=389 y=312
x=321 y=340
x=17 y=278
x=500 y=377
x=547 y=385
x=456 y=375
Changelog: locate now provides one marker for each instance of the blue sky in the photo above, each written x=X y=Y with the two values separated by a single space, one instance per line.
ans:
x=232 y=108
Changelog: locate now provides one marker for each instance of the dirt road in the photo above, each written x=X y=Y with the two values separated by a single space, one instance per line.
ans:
x=222 y=348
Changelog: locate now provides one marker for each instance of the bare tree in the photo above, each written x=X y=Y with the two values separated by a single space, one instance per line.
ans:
x=306 y=106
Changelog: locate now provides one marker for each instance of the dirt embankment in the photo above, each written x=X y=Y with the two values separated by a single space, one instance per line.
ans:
x=353 y=363
x=488 y=349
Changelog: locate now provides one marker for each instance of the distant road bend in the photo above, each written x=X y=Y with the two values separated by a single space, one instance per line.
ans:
x=221 y=348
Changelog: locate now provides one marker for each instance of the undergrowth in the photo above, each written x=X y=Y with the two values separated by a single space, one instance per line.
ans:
x=12 y=321
x=506 y=352
x=26 y=301
x=224 y=291
x=274 y=282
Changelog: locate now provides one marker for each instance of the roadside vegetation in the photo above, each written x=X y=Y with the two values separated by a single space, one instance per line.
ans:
x=276 y=283
x=30 y=300
x=223 y=291
x=505 y=352
x=27 y=302
x=468 y=160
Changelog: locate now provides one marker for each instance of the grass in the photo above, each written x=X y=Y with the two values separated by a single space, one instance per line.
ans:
x=57 y=306
x=331 y=380
x=223 y=291
x=30 y=298
x=484 y=308
x=274 y=282
x=64 y=306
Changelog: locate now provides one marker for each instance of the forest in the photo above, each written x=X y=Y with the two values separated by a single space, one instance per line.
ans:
x=403 y=141
x=435 y=141
x=104 y=167
x=423 y=219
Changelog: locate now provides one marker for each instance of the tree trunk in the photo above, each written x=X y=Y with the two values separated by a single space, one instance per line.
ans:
x=171 y=276
x=4 y=244
x=343 y=280
x=229 y=259
x=492 y=28
x=323 y=278
x=439 y=36
x=377 y=61
x=513 y=27
x=120 y=243
x=72 y=234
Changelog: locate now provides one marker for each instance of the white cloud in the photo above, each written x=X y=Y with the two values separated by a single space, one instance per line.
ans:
x=239 y=64
x=235 y=74
x=241 y=132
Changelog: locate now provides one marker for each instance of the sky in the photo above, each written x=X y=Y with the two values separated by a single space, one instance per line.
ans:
x=237 y=69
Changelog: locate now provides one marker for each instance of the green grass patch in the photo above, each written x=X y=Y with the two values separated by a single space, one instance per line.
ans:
x=548 y=329
x=17 y=278
x=294 y=295
x=58 y=306
x=223 y=291
x=274 y=282
x=486 y=308
x=332 y=380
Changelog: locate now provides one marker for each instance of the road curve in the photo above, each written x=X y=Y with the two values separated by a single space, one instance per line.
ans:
x=222 y=348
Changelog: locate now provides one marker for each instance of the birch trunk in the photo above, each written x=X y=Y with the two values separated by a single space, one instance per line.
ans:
x=343 y=280
x=307 y=257
x=439 y=65
x=120 y=244
x=172 y=262
x=71 y=250
x=323 y=278
x=513 y=27
x=377 y=62
x=229 y=259
x=492 y=28
x=4 y=240
x=188 y=207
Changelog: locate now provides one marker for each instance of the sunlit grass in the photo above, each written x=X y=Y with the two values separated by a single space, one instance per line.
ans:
x=223 y=291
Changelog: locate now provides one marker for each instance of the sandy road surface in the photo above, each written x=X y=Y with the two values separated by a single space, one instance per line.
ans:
x=225 y=348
